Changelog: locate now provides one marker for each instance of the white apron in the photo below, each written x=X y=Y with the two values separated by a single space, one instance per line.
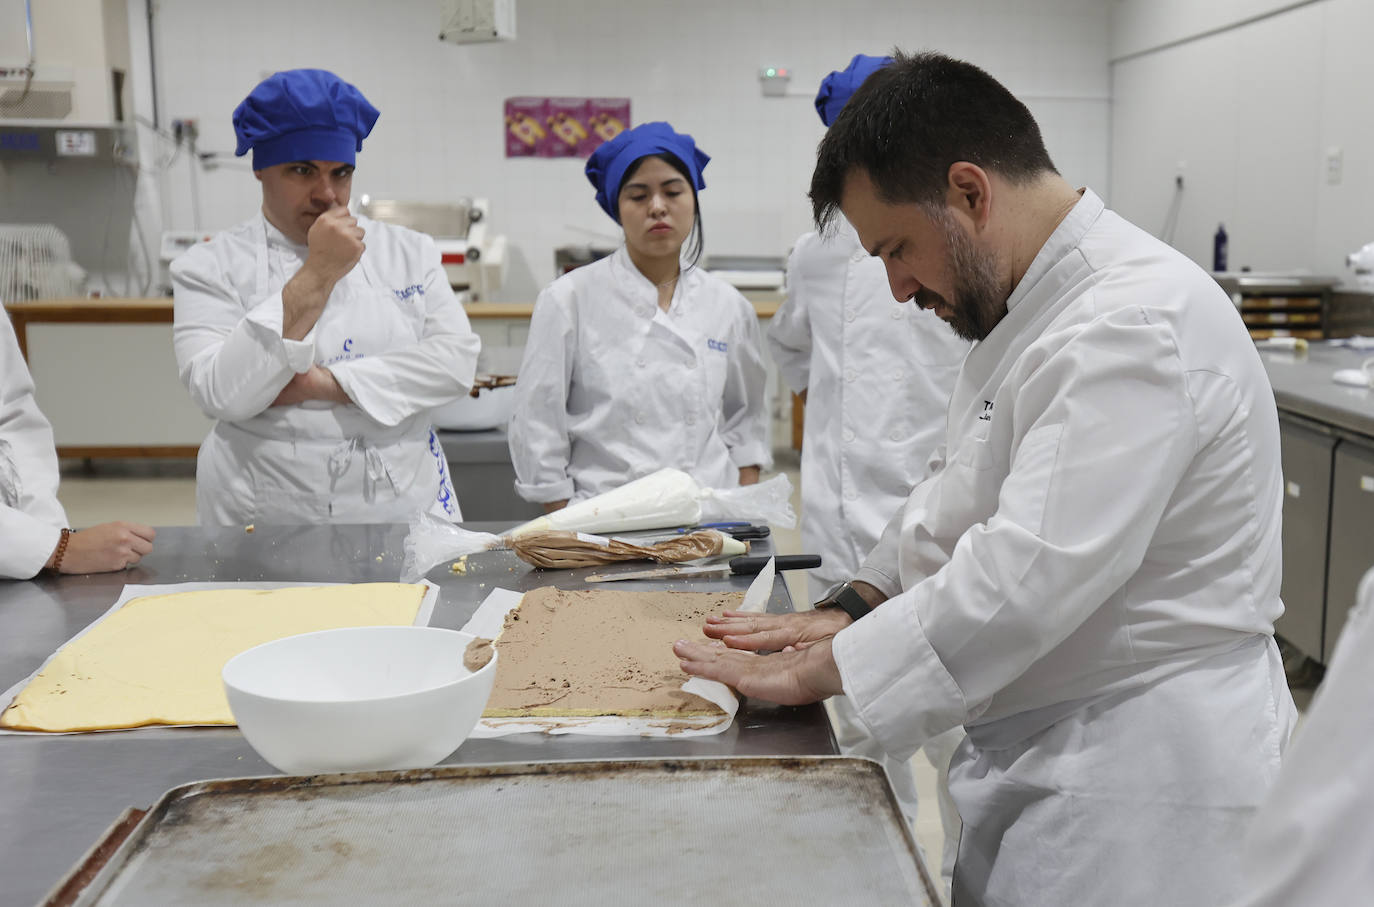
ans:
x=1138 y=799
x=321 y=462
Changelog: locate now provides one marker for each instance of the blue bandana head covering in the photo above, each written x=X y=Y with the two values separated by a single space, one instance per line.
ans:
x=837 y=87
x=608 y=163
x=302 y=115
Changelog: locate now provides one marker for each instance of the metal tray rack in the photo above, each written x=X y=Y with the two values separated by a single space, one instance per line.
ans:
x=818 y=830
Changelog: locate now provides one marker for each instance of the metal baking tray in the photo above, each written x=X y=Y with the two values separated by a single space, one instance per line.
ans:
x=812 y=830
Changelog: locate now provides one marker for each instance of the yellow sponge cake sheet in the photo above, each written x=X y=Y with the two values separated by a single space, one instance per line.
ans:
x=156 y=660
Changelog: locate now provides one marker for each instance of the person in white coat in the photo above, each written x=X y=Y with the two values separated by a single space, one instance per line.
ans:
x=1087 y=578
x=33 y=525
x=319 y=342
x=1313 y=841
x=876 y=375
x=640 y=360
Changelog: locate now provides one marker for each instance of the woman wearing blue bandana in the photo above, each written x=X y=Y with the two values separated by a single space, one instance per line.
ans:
x=640 y=360
x=319 y=342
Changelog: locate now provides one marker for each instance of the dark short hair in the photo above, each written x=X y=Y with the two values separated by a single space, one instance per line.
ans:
x=912 y=119
x=696 y=238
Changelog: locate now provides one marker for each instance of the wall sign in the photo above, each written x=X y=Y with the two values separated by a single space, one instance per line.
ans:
x=562 y=127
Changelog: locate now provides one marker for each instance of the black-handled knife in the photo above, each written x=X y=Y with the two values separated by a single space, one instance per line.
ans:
x=740 y=566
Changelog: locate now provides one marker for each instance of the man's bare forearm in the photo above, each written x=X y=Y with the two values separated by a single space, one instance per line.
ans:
x=302 y=300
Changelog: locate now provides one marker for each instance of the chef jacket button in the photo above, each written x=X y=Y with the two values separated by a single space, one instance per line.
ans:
x=639 y=418
x=898 y=375
x=896 y=435
x=691 y=420
x=642 y=362
x=851 y=495
x=850 y=314
x=848 y=436
x=850 y=375
x=897 y=313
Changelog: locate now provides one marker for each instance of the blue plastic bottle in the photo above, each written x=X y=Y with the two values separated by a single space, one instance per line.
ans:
x=1219 y=249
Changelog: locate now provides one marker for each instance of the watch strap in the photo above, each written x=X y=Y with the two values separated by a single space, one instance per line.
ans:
x=846 y=598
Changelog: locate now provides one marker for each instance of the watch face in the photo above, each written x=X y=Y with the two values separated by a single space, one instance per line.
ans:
x=833 y=591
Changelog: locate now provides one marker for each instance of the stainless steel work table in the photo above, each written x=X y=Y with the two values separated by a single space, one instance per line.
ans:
x=1302 y=385
x=60 y=792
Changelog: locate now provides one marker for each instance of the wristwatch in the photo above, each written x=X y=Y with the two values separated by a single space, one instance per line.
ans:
x=845 y=597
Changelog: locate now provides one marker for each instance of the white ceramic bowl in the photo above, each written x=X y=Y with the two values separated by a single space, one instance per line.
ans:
x=357 y=699
x=491 y=408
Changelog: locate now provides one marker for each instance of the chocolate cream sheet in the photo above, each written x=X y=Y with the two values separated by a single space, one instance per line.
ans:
x=489 y=619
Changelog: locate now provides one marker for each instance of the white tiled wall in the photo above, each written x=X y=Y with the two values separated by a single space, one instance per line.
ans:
x=1252 y=110
x=694 y=64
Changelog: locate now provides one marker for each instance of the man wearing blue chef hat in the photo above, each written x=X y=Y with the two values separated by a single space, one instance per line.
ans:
x=876 y=376
x=319 y=342
x=641 y=360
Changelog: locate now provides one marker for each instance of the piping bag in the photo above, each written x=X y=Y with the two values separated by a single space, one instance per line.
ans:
x=668 y=497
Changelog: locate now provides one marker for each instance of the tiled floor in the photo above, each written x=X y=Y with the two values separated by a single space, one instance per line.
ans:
x=155 y=501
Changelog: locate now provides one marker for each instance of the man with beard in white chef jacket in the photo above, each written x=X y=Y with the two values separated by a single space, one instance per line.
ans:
x=33 y=526
x=1087 y=578
x=320 y=342
x=877 y=376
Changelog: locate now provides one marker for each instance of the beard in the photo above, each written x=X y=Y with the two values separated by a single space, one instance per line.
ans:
x=979 y=302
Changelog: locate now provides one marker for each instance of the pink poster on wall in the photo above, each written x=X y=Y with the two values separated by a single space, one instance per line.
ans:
x=567 y=126
x=526 y=135
x=563 y=127
x=606 y=119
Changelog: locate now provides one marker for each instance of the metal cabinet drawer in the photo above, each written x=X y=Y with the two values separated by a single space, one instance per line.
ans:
x=1307 y=456
x=1351 y=550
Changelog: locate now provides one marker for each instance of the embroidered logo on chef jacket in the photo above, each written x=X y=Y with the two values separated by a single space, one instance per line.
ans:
x=445 y=496
x=406 y=292
x=719 y=346
x=986 y=415
x=346 y=356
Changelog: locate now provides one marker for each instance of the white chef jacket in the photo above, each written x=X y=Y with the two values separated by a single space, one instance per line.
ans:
x=613 y=388
x=392 y=334
x=1313 y=841
x=878 y=375
x=1099 y=532
x=31 y=519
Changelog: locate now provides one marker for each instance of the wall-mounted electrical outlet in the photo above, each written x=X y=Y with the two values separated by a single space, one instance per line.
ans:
x=1335 y=165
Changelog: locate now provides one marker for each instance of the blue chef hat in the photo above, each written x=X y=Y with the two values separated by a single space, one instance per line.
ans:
x=837 y=87
x=303 y=115
x=608 y=163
